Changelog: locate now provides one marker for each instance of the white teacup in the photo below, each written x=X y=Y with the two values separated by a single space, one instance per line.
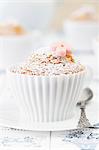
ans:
x=96 y=52
x=14 y=48
x=80 y=34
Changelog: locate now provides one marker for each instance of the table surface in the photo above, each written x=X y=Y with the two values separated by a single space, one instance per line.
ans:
x=89 y=138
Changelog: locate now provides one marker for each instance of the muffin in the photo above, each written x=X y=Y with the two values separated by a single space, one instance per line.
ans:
x=48 y=84
x=85 y=13
x=11 y=29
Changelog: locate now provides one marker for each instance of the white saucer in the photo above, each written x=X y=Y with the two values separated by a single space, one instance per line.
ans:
x=10 y=116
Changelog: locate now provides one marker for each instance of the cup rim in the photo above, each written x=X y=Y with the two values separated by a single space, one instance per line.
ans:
x=12 y=37
x=82 y=21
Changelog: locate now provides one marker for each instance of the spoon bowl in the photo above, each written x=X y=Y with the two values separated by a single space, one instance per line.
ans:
x=86 y=96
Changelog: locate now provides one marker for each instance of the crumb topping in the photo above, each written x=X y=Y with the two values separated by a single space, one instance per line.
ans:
x=56 y=62
x=46 y=65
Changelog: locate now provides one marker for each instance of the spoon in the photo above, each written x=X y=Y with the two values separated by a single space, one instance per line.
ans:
x=86 y=96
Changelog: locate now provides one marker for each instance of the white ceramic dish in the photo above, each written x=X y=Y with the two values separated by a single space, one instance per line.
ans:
x=10 y=116
x=80 y=34
x=46 y=98
x=14 y=48
x=96 y=52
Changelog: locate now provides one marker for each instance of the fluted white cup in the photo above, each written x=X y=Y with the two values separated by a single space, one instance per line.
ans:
x=14 y=48
x=80 y=34
x=46 y=98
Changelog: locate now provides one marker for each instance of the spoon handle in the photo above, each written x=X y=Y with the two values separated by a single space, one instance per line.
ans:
x=83 y=121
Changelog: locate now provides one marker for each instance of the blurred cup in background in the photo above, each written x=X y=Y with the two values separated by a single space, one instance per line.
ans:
x=96 y=52
x=15 y=44
x=81 y=28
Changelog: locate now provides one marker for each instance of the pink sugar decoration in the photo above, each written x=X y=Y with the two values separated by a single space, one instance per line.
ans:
x=60 y=49
x=68 y=49
x=53 y=48
x=61 y=53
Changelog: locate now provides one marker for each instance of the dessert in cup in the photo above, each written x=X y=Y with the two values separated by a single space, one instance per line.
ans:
x=47 y=86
